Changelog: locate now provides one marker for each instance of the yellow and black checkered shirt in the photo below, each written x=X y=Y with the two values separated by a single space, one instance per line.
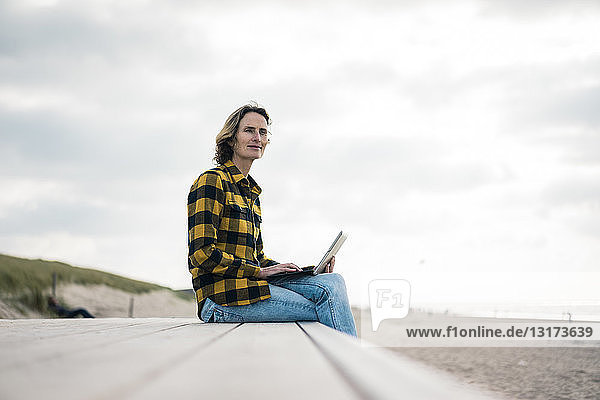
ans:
x=224 y=240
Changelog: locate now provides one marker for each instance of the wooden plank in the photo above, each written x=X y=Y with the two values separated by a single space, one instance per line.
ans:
x=378 y=374
x=112 y=370
x=24 y=331
x=178 y=358
x=78 y=337
x=254 y=361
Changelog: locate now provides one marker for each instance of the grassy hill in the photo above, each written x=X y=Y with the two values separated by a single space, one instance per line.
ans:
x=26 y=283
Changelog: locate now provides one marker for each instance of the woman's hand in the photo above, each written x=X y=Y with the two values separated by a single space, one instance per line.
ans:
x=275 y=269
x=330 y=264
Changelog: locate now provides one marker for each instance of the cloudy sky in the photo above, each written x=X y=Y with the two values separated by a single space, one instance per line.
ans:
x=457 y=142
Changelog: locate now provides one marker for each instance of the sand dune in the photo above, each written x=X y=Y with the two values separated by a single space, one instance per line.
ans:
x=103 y=301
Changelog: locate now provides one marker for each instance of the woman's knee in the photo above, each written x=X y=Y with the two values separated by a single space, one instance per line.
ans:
x=333 y=282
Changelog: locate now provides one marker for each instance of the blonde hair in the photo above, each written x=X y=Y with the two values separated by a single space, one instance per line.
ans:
x=224 y=149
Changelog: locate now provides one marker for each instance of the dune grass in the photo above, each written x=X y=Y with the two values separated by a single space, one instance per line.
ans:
x=27 y=282
x=18 y=274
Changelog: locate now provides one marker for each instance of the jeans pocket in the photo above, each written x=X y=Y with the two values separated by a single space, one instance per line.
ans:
x=221 y=315
x=207 y=312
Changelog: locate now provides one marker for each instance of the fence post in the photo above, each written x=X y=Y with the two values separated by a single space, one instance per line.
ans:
x=131 y=307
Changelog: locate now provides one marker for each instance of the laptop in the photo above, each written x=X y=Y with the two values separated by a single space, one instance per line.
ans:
x=320 y=267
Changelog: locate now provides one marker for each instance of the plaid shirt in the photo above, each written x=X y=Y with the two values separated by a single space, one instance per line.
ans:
x=224 y=240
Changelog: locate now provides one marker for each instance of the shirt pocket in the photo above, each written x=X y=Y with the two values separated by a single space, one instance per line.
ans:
x=235 y=210
x=238 y=218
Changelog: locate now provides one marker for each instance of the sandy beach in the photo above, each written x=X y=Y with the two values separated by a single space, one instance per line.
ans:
x=549 y=373
x=513 y=371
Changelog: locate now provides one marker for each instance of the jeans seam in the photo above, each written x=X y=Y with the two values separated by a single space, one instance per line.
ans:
x=293 y=304
x=229 y=313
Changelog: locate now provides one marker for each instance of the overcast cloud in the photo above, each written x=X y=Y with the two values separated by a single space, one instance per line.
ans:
x=457 y=143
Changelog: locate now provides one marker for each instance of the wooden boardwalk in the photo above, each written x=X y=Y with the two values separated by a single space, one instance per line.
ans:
x=176 y=358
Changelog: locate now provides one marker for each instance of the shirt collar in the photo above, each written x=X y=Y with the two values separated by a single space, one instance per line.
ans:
x=238 y=177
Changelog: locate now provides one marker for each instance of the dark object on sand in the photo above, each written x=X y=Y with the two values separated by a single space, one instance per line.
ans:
x=65 y=312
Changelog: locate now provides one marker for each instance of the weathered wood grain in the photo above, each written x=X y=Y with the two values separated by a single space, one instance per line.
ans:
x=254 y=361
x=78 y=337
x=154 y=358
x=31 y=330
x=110 y=369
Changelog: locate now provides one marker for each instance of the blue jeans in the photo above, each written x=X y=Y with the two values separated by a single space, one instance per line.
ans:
x=320 y=298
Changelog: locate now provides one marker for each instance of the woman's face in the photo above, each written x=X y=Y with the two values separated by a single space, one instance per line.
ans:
x=251 y=138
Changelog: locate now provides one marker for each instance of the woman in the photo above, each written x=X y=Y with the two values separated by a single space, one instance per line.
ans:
x=226 y=259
